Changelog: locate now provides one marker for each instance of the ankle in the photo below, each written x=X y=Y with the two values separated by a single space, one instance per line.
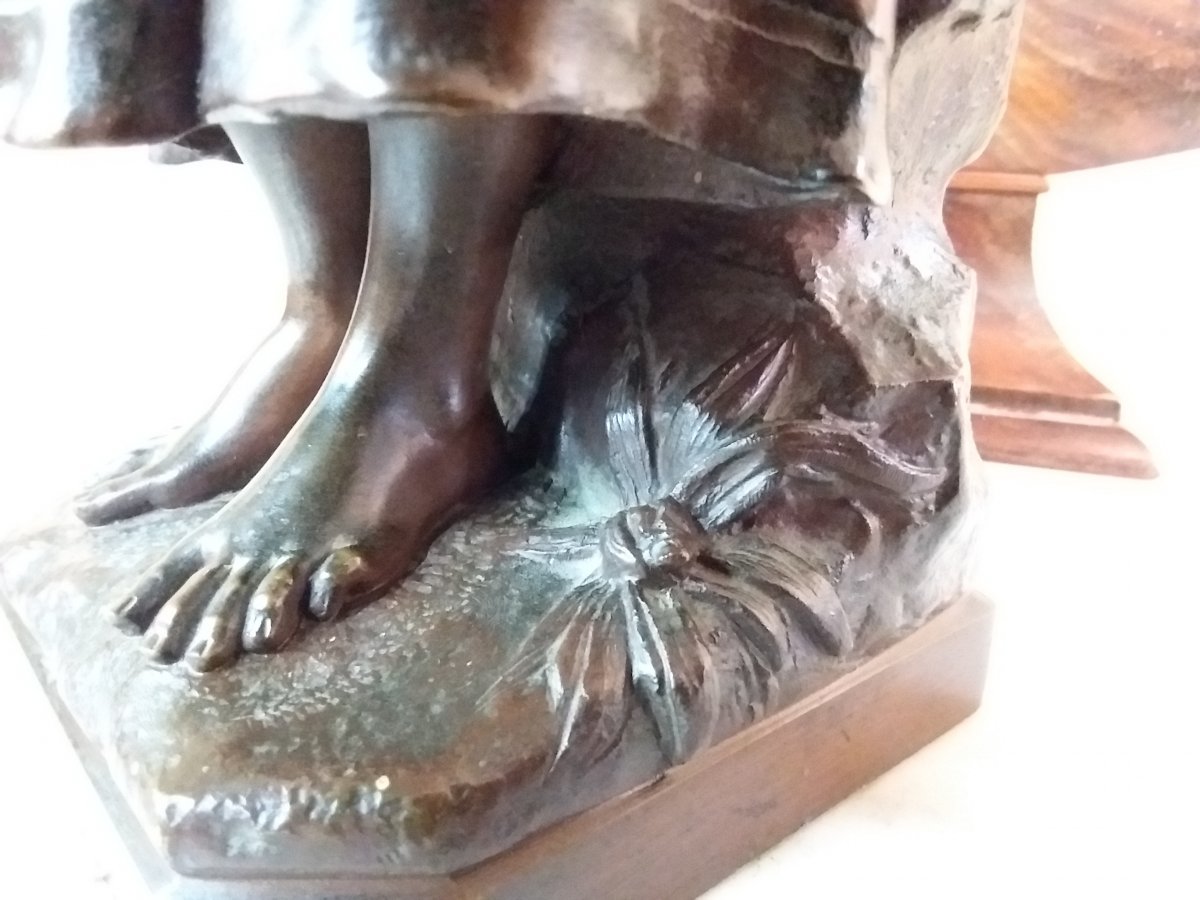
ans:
x=443 y=409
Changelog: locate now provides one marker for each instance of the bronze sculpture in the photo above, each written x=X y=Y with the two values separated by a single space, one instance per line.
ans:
x=675 y=266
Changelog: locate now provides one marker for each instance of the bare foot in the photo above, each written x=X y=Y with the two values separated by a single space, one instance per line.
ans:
x=315 y=176
x=403 y=431
x=345 y=508
x=232 y=441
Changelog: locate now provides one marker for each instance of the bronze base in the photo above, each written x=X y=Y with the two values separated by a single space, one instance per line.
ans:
x=735 y=800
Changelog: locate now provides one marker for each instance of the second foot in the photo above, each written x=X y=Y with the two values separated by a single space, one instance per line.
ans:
x=232 y=441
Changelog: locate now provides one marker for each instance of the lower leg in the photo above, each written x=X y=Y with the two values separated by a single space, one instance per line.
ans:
x=316 y=178
x=449 y=196
x=404 y=430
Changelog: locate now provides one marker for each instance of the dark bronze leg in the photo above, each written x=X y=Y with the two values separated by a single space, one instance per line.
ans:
x=316 y=176
x=404 y=430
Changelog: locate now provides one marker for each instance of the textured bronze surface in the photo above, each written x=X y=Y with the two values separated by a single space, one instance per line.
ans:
x=701 y=73
x=742 y=499
x=735 y=801
x=671 y=356
x=399 y=740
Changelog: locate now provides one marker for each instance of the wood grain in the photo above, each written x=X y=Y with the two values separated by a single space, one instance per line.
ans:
x=1099 y=82
x=1033 y=403
x=1095 y=83
x=1092 y=447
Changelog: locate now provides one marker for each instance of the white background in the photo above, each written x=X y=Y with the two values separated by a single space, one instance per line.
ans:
x=128 y=292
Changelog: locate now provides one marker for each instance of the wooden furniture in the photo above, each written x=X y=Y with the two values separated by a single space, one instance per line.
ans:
x=1096 y=83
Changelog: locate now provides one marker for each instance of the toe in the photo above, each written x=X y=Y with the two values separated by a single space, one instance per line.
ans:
x=274 y=611
x=343 y=577
x=171 y=631
x=119 y=498
x=218 y=638
x=135 y=610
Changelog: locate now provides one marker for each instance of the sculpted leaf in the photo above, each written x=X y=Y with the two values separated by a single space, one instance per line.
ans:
x=681 y=609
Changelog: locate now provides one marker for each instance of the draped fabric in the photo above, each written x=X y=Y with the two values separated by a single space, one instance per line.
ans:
x=794 y=90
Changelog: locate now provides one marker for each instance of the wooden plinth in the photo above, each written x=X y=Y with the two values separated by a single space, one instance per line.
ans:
x=1032 y=402
x=1095 y=83
x=686 y=832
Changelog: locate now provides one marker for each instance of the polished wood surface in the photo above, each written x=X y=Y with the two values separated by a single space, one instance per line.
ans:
x=1100 y=82
x=1032 y=402
x=1095 y=83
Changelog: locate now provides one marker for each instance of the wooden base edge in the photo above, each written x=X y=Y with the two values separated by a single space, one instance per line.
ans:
x=1034 y=403
x=1096 y=448
x=705 y=820
x=701 y=822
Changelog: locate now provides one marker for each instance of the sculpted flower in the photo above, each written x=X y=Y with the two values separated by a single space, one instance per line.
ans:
x=681 y=604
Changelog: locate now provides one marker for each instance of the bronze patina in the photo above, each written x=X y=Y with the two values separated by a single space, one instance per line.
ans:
x=620 y=394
